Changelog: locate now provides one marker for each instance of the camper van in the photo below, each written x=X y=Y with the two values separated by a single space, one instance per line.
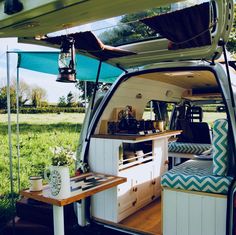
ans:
x=151 y=126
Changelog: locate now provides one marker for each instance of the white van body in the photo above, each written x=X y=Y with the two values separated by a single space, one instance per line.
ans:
x=154 y=73
x=102 y=153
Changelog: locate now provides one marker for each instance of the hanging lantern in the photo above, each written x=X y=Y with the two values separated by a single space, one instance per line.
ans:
x=66 y=61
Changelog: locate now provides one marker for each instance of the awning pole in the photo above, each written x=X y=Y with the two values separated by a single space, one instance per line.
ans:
x=96 y=85
x=85 y=95
x=228 y=74
x=18 y=128
x=9 y=138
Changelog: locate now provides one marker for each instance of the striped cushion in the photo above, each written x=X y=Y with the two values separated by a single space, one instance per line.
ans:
x=196 y=175
x=219 y=146
x=193 y=148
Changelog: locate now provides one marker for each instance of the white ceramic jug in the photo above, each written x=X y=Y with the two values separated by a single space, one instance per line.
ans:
x=59 y=181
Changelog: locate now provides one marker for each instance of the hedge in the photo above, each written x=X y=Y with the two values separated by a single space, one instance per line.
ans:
x=47 y=110
x=53 y=109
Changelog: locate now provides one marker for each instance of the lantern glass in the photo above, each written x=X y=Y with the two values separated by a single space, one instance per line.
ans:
x=66 y=61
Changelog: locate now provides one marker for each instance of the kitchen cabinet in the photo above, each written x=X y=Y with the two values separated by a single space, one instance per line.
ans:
x=143 y=172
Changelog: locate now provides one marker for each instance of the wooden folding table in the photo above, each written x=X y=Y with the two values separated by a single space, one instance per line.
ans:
x=82 y=186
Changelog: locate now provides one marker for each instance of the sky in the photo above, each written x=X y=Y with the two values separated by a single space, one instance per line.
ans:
x=54 y=89
x=48 y=82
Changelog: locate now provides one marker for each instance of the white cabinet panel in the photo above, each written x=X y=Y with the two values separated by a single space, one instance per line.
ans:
x=111 y=207
x=127 y=195
x=195 y=215
x=169 y=212
x=191 y=213
x=208 y=221
x=182 y=216
x=143 y=177
x=220 y=215
x=98 y=209
x=144 y=180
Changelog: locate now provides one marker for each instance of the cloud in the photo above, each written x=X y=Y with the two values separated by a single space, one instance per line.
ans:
x=54 y=89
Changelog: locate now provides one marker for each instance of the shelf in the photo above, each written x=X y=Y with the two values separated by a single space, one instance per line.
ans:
x=137 y=160
x=168 y=133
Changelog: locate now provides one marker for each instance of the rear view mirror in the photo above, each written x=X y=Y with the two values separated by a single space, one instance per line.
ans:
x=220 y=109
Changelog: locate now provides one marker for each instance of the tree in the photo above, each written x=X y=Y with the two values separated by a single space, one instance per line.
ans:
x=231 y=45
x=62 y=101
x=102 y=87
x=126 y=32
x=130 y=29
x=70 y=99
x=3 y=97
x=37 y=96
x=81 y=86
x=24 y=92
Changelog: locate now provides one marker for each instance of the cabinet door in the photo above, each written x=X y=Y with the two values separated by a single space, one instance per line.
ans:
x=145 y=183
x=160 y=151
x=127 y=196
x=156 y=181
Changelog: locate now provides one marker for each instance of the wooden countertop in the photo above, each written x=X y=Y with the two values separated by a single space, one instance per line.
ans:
x=82 y=186
x=168 y=133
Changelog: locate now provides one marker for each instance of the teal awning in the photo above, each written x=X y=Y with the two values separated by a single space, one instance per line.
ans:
x=86 y=67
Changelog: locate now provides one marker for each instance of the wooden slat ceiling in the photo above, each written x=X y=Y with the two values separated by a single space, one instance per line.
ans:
x=187 y=80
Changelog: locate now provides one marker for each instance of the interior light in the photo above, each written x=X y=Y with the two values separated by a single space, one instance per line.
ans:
x=173 y=74
x=40 y=37
x=66 y=61
x=169 y=93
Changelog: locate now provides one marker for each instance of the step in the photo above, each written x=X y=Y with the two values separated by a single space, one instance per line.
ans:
x=24 y=227
x=39 y=212
x=34 y=211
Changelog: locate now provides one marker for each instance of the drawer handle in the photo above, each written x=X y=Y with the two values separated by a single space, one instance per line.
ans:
x=153 y=197
x=166 y=162
x=134 y=202
x=135 y=189
x=153 y=182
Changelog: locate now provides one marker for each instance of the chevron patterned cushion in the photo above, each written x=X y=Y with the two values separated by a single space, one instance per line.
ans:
x=179 y=147
x=196 y=175
x=219 y=146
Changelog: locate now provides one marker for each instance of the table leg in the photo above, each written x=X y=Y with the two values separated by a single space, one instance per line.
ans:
x=58 y=220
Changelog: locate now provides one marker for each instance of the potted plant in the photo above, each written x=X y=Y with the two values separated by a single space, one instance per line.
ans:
x=59 y=177
x=81 y=167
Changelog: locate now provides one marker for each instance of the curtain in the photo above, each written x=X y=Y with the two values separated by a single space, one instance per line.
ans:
x=88 y=42
x=186 y=28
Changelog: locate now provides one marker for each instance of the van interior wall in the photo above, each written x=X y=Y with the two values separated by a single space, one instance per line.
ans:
x=127 y=93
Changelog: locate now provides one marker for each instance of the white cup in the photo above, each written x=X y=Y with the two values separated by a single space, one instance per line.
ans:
x=160 y=126
x=36 y=183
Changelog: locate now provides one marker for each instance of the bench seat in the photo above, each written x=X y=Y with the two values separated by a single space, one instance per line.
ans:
x=196 y=175
x=191 y=148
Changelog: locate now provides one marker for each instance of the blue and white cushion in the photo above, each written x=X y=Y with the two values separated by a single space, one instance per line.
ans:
x=219 y=146
x=196 y=175
x=192 y=148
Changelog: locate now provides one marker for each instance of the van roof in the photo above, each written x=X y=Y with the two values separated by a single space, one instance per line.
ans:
x=38 y=20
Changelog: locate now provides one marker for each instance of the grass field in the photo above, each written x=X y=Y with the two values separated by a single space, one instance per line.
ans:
x=38 y=132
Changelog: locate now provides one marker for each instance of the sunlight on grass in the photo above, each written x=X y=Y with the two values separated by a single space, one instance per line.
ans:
x=49 y=118
x=38 y=133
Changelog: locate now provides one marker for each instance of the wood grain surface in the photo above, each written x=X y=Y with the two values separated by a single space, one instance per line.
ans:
x=86 y=190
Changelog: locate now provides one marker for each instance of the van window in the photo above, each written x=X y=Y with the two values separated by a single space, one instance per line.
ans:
x=158 y=110
x=212 y=112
